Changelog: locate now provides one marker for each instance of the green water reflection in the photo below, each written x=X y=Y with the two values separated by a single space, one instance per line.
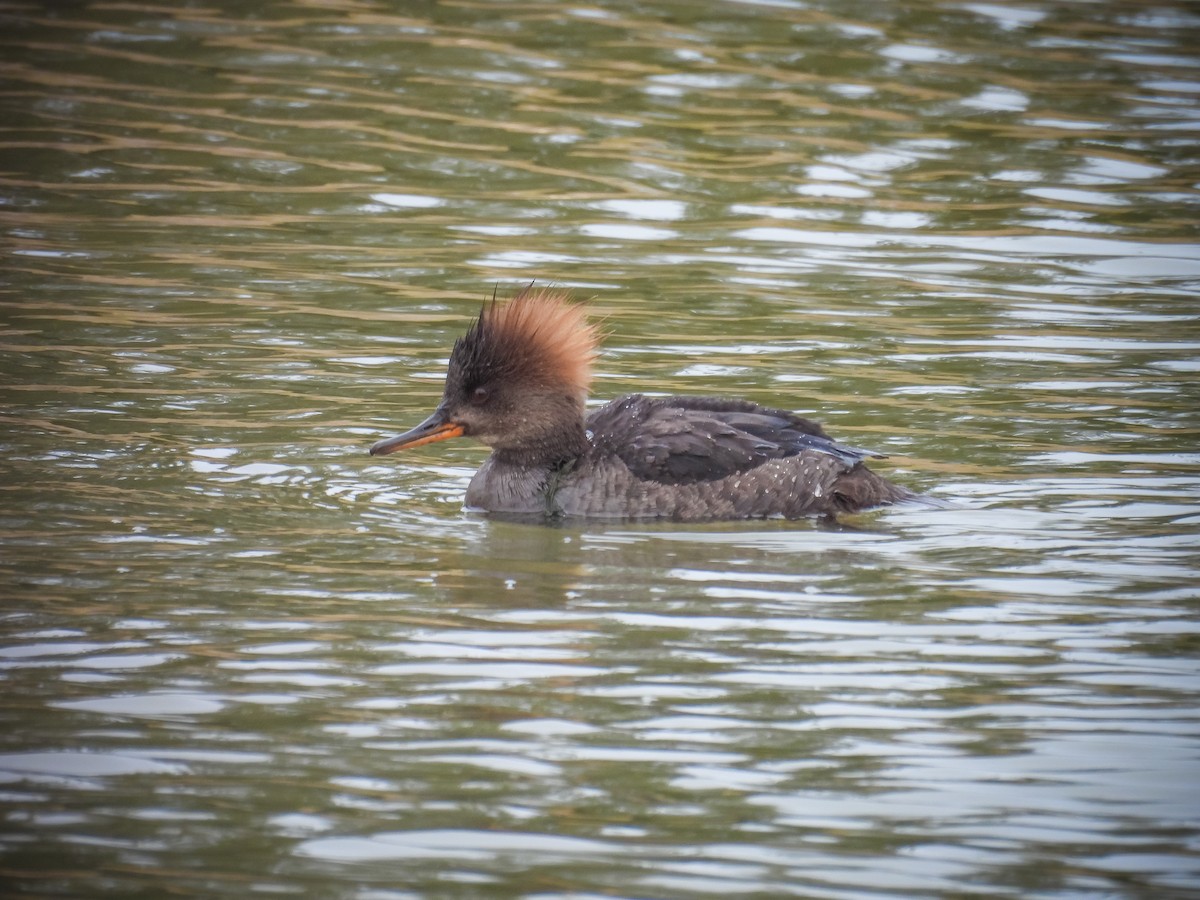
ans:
x=241 y=657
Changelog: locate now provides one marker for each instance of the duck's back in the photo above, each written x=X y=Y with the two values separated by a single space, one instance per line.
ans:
x=712 y=458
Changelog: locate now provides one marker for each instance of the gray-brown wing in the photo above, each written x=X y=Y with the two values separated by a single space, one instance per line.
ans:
x=680 y=440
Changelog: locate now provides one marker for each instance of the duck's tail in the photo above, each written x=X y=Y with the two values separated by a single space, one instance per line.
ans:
x=861 y=489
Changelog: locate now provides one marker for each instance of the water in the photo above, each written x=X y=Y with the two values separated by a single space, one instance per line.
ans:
x=241 y=657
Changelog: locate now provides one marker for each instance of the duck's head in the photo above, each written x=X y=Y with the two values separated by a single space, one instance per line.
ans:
x=517 y=380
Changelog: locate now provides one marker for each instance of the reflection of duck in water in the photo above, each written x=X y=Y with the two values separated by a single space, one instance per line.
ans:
x=517 y=382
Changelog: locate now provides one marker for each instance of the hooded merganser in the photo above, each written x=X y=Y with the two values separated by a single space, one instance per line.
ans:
x=517 y=382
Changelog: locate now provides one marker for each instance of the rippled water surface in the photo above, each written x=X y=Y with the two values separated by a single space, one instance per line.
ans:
x=240 y=657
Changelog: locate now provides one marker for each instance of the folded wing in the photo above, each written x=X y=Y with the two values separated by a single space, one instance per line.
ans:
x=682 y=440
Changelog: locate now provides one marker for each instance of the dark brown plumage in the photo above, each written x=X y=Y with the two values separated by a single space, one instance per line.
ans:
x=517 y=382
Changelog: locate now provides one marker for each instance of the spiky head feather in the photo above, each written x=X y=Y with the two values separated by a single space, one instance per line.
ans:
x=538 y=336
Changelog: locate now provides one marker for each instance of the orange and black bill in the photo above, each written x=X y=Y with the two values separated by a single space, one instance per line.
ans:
x=436 y=428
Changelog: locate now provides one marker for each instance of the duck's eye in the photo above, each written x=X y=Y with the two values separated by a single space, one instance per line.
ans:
x=480 y=396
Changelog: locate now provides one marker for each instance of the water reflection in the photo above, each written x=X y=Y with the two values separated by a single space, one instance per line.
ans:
x=240 y=656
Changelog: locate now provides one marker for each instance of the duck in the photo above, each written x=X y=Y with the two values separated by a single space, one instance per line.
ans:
x=518 y=381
